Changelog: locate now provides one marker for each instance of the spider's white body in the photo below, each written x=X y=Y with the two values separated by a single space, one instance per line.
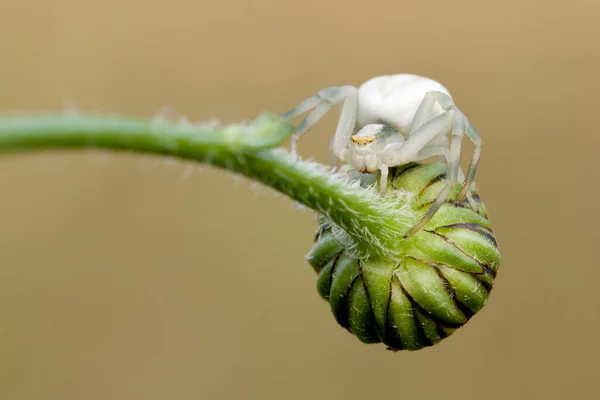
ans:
x=394 y=100
x=393 y=120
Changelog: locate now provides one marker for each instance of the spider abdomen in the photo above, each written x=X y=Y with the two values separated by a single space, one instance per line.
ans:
x=394 y=99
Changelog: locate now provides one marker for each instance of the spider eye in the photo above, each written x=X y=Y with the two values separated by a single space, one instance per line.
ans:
x=362 y=140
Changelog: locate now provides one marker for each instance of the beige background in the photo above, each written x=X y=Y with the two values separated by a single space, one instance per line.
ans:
x=127 y=277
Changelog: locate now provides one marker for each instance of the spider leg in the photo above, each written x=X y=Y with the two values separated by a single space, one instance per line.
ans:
x=431 y=151
x=383 y=178
x=450 y=122
x=320 y=104
x=427 y=110
x=476 y=139
x=445 y=101
x=344 y=169
x=457 y=130
x=424 y=112
x=444 y=153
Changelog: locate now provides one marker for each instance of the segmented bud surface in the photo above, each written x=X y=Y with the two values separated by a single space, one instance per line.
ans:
x=443 y=278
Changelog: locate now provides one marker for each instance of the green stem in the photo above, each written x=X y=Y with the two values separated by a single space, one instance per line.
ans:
x=374 y=224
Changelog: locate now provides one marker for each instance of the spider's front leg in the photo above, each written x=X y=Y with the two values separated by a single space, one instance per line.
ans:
x=421 y=143
x=426 y=111
x=476 y=139
x=320 y=104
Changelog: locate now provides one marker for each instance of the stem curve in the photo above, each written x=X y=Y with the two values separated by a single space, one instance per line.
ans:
x=373 y=223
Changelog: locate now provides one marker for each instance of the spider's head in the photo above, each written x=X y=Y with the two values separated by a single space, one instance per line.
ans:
x=363 y=140
x=373 y=133
x=367 y=135
x=369 y=143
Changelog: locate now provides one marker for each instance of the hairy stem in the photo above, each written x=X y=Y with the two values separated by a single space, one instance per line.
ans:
x=375 y=224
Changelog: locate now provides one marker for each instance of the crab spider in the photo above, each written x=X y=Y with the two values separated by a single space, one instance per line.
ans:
x=393 y=120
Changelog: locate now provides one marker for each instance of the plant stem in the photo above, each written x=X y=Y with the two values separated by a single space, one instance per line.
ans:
x=374 y=224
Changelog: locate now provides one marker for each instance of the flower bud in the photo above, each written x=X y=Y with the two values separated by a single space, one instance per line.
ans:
x=443 y=278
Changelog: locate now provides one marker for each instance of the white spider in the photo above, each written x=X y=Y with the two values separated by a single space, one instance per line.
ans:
x=393 y=120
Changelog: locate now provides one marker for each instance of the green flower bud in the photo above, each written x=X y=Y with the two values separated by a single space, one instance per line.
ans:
x=443 y=278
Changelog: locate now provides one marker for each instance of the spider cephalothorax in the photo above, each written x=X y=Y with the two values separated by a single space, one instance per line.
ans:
x=367 y=144
x=393 y=120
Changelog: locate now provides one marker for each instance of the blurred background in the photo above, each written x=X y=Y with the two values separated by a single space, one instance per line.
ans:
x=130 y=277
